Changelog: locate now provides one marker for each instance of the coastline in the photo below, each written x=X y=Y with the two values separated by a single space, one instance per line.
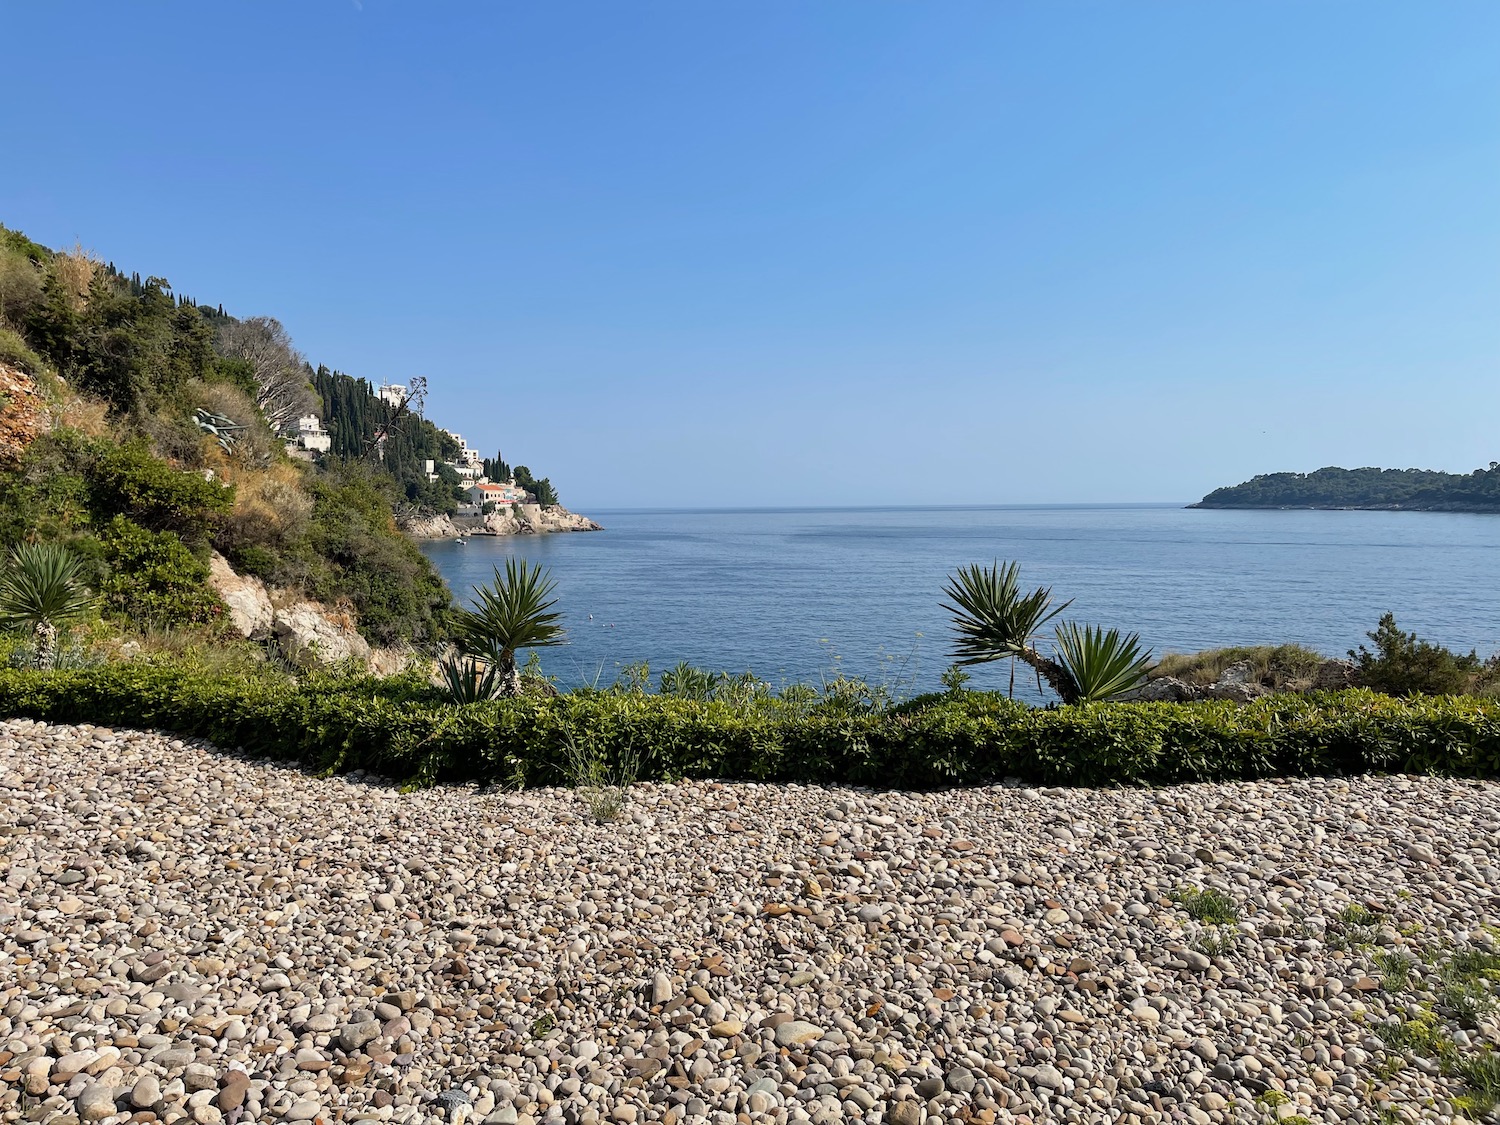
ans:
x=1460 y=509
x=522 y=519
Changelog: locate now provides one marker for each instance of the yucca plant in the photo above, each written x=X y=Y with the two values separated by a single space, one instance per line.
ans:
x=41 y=589
x=995 y=620
x=469 y=680
x=1103 y=665
x=515 y=613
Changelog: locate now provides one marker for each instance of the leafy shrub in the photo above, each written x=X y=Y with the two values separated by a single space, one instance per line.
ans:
x=126 y=480
x=352 y=549
x=153 y=580
x=406 y=728
x=1404 y=665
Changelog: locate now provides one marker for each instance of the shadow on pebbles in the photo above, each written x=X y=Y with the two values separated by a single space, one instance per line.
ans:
x=190 y=935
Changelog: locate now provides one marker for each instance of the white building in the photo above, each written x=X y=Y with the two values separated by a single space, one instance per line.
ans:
x=468 y=462
x=494 y=494
x=393 y=394
x=311 y=435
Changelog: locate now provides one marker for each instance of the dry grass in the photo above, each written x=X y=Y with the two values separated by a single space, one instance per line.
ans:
x=75 y=271
x=1288 y=667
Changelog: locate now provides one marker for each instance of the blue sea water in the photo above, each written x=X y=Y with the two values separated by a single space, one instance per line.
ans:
x=801 y=594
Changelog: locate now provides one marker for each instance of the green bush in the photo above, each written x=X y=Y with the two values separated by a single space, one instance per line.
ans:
x=1404 y=665
x=13 y=350
x=352 y=549
x=127 y=480
x=404 y=728
x=153 y=580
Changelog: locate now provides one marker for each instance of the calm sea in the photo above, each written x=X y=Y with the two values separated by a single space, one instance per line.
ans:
x=799 y=594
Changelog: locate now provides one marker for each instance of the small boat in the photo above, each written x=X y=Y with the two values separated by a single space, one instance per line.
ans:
x=461 y=542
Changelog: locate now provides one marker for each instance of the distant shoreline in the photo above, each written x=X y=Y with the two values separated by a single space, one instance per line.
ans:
x=1474 y=510
x=1365 y=490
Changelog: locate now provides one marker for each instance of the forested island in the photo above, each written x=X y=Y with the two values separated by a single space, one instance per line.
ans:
x=1414 y=490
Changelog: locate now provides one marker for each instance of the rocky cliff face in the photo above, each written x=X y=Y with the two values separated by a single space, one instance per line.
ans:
x=530 y=519
x=307 y=633
x=430 y=527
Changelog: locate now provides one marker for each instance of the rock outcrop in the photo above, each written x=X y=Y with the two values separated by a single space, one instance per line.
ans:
x=1238 y=683
x=307 y=634
x=1335 y=675
x=250 y=609
x=430 y=527
x=1167 y=689
x=558 y=518
x=23 y=414
x=517 y=519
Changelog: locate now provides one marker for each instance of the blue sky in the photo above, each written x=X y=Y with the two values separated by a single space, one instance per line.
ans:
x=855 y=252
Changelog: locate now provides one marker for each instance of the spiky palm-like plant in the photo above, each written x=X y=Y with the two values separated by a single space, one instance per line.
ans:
x=469 y=680
x=995 y=620
x=1103 y=665
x=515 y=613
x=41 y=589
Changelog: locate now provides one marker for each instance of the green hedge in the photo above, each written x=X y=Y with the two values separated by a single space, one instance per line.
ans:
x=403 y=729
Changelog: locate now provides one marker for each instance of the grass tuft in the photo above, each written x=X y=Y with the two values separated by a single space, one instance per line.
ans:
x=1210 y=906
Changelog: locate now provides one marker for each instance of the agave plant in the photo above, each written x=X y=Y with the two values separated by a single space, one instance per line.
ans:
x=515 y=613
x=469 y=680
x=995 y=620
x=1103 y=665
x=42 y=589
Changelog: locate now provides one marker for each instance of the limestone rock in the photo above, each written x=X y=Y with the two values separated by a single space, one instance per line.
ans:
x=389 y=661
x=1169 y=689
x=308 y=635
x=1240 y=672
x=1334 y=675
x=1234 y=690
x=249 y=604
x=430 y=527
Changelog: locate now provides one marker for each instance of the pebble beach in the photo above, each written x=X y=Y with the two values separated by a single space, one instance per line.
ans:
x=191 y=935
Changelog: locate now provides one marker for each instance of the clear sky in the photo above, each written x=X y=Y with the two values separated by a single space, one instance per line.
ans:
x=824 y=251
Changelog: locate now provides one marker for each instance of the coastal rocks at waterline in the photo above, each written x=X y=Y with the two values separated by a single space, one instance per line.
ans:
x=430 y=527
x=516 y=519
x=191 y=936
x=533 y=519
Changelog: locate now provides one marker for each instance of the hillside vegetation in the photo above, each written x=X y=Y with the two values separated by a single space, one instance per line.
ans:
x=139 y=429
x=1422 y=490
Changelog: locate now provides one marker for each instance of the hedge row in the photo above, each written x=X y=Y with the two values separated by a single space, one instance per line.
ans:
x=405 y=730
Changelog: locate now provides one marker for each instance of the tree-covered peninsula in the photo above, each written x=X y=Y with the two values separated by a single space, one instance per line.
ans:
x=1415 y=490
